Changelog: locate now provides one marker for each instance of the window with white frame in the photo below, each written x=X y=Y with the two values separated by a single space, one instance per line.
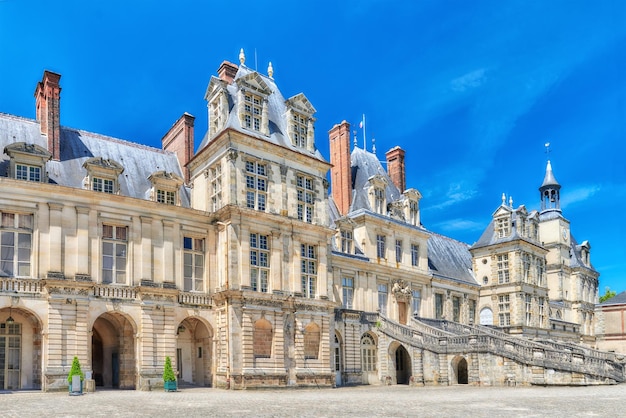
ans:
x=503 y=227
x=383 y=294
x=27 y=172
x=503 y=268
x=415 y=255
x=99 y=184
x=413 y=212
x=381 y=246
x=540 y=271
x=398 y=251
x=347 y=285
x=346 y=241
x=114 y=253
x=252 y=111
x=306 y=198
x=504 y=310
x=299 y=129
x=215 y=179
x=368 y=353
x=259 y=262
x=526 y=267
x=415 y=302
x=16 y=238
x=166 y=196
x=256 y=185
x=379 y=200
x=529 y=316
x=308 y=270
x=541 y=302
x=193 y=264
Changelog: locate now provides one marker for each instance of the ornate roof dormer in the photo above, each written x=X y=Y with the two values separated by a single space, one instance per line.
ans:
x=300 y=122
x=252 y=99
x=550 y=191
x=28 y=161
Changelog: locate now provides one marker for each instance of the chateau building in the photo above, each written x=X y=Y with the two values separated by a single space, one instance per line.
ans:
x=237 y=260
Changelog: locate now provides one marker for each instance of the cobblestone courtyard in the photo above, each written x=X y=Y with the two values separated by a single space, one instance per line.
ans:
x=364 y=401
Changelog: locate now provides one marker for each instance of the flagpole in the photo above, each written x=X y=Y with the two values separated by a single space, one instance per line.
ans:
x=364 y=137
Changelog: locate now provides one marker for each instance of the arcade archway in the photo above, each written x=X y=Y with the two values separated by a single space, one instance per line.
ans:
x=113 y=351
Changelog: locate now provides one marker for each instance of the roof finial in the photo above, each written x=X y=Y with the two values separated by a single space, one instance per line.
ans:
x=355 y=144
x=270 y=70
x=503 y=199
x=511 y=201
x=547 y=145
x=374 y=145
x=242 y=57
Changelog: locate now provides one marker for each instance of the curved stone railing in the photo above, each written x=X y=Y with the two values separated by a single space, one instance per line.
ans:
x=523 y=351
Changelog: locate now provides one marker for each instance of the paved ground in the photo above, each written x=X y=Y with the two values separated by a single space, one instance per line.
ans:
x=363 y=401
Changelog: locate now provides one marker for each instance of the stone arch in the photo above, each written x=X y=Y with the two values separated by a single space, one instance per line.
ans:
x=338 y=358
x=401 y=371
x=460 y=370
x=369 y=357
x=194 y=352
x=113 y=351
x=21 y=341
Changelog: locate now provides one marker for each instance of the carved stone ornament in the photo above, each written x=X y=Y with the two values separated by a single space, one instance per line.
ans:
x=232 y=155
x=400 y=289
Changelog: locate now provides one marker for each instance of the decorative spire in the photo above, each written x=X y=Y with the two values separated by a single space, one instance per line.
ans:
x=270 y=70
x=374 y=145
x=511 y=201
x=242 y=57
x=550 y=191
x=355 y=144
x=503 y=199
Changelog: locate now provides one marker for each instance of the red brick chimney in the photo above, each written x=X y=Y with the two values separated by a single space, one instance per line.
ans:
x=48 y=108
x=341 y=173
x=395 y=167
x=227 y=71
x=179 y=140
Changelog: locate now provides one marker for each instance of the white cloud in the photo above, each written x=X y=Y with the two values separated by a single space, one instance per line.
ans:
x=470 y=80
x=457 y=193
x=459 y=225
x=579 y=194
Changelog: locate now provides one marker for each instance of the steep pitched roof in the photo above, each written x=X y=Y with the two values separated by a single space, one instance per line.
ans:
x=365 y=165
x=450 y=259
x=138 y=161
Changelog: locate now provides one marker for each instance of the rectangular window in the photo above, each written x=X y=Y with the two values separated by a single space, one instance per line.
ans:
x=16 y=238
x=193 y=264
x=456 y=309
x=166 y=196
x=102 y=185
x=256 y=185
x=252 y=110
x=541 y=312
x=346 y=241
x=472 y=311
x=540 y=271
x=503 y=269
x=526 y=268
x=383 y=293
x=380 y=246
x=299 y=130
x=529 y=304
x=347 y=284
x=415 y=255
x=398 y=251
x=438 y=306
x=215 y=174
x=306 y=198
x=503 y=227
x=114 y=253
x=413 y=212
x=415 y=302
x=259 y=262
x=27 y=172
x=379 y=200
x=308 y=270
x=504 y=311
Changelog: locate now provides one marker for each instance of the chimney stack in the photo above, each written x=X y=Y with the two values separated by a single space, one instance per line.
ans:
x=227 y=71
x=179 y=140
x=48 y=108
x=395 y=167
x=341 y=173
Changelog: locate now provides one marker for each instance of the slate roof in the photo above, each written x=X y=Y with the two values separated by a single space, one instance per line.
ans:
x=77 y=146
x=277 y=110
x=618 y=299
x=489 y=237
x=450 y=259
x=364 y=165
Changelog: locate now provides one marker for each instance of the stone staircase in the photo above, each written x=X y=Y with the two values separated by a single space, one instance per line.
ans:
x=582 y=363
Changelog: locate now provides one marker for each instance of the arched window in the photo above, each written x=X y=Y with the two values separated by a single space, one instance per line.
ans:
x=262 y=339
x=311 y=341
x=486 y=316
x=368 y=353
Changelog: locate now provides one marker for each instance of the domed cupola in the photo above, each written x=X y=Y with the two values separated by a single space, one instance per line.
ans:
x=550 y=191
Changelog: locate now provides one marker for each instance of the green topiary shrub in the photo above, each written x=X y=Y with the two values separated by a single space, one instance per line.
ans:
x=75 y=370
x=168 y=372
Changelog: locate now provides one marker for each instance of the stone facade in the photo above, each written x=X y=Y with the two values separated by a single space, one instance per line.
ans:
x=233 y=261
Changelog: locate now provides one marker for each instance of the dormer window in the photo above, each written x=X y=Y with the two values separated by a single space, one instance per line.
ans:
x=412 y=208
x=252 y=111
x=377 y=197
x=28 y=161
x=298 y=130
x=300 y=122
x=102 y=175
x=252 y=103
x=379 y=200
x=347 y=241
x=165 y=187
x=503 y=227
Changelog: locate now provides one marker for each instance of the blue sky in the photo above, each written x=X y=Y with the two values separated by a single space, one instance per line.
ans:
x=472 y=90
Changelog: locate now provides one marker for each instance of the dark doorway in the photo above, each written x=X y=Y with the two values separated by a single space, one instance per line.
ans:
x=461 y=372
x=403 y=366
